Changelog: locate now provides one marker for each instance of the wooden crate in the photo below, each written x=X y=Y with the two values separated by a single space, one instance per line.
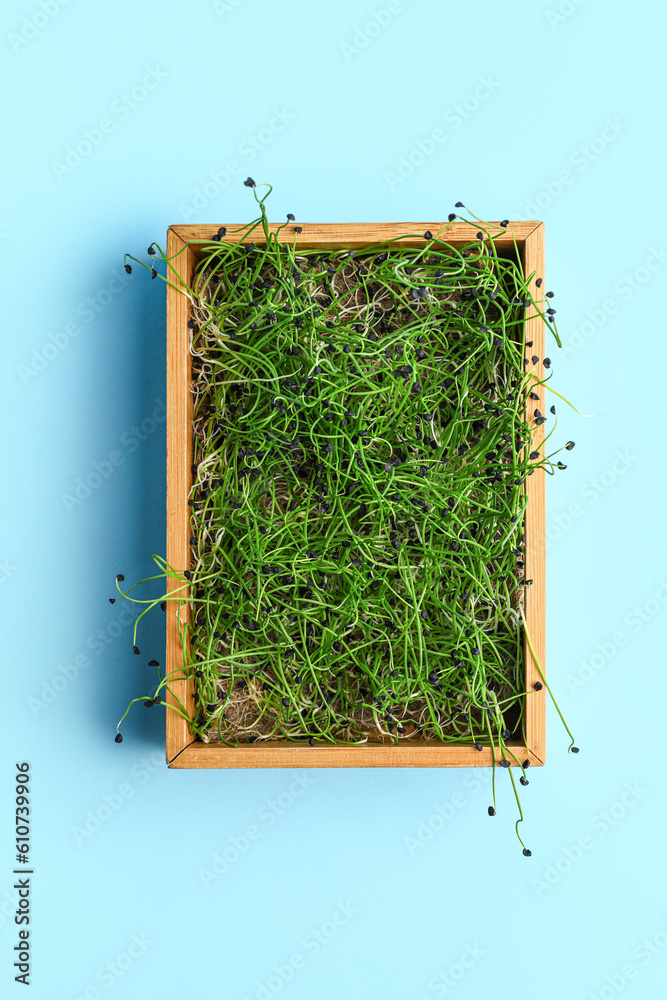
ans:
x=184 y=750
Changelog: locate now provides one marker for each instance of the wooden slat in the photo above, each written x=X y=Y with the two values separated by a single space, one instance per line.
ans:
x=182 y=750
x=349 y=235
x=429 y=754
x=179 y=460
x=535 y=605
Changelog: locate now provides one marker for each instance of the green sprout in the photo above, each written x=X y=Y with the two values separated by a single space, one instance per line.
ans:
x=363 y=423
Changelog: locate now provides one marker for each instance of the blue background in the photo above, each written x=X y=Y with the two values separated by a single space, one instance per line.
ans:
x=545 y=112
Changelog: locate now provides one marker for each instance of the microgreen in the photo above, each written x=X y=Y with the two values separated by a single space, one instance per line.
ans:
x=363 y=422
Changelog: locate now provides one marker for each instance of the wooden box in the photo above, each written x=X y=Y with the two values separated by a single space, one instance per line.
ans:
x=184 y=750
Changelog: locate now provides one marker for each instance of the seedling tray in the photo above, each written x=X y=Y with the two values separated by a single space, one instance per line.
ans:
x=184 y=750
